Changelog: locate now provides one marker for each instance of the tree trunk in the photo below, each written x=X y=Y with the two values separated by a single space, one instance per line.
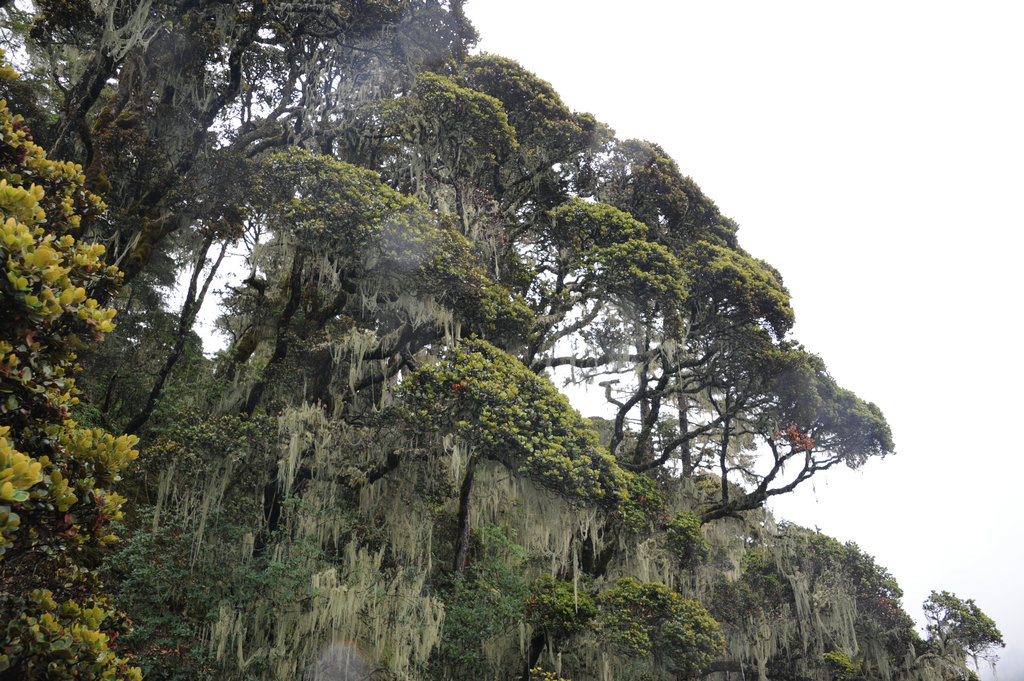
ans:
x=465 y=509
x=537 y=644
x=193 y=303
x=723 y=460
x=281 y=342
x=684 y=425
x=79 y=100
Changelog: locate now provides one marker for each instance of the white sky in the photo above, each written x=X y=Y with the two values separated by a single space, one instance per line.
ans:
x=874 y=153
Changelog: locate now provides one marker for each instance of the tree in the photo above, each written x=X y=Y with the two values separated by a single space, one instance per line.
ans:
x=557 y=146
x=785 y=401
x=640 y=178
x=816 y=608
x=164 y=104
x=352 y=258
x=958 y=629
x=144 y=88
x=503 y=412
x=56 y=501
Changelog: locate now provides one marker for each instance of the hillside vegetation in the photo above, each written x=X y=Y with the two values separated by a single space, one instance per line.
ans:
x=379 y=476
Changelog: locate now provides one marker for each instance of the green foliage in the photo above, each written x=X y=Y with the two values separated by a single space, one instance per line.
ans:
x=819 y=554
x=482 y=604
x=578 y=226
x=643 y=274
x=530 y=101
x=56 y=502
x=173 y=594
x=506 y=413
x=539 y=674
x=363 y=235
x=191 y=548
x=644 y=619
x=463 y=130
x=398 y=195
x=61 y=642
x=558 y=608
x=47 y=278
x=733 y=601
x=837 y=420
x=739 y=287
x=646 y=182
x=365 y=228
x=632 y=611
x=766 y=581
x=686 y=541
x=839 y=665
x=960 y=624
x=547 y=131
x=854 y=600
x=198 y=449
x=644 y=505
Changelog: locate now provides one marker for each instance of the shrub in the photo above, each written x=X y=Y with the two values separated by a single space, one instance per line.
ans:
x=648 y=619
x=686 y=541
x=557 y=608
x=56 y=505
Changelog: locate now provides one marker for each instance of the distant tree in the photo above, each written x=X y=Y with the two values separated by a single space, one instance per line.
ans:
x=861 y=631
x=781 y=398
x=958 y=629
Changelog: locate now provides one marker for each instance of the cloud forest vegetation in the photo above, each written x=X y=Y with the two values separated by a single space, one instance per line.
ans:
x=413 y=249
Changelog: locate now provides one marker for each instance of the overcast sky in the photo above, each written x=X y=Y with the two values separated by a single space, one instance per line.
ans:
x=874 y=153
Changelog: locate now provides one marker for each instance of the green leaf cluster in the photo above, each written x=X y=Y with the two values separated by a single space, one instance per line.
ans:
x=840 y=665
x=363 y=236
x=559 y=608
x=648 y=618
x=485 y=603
x=504 y=412
x=64 y=641
x=686 y=541
x=961 y=624
x=644 y=505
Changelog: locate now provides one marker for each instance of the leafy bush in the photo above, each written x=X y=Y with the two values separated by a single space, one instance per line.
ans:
x=539 y=674
x=509 y=414
x=840 y=665
x=558 y=608
x=56 y=505
x=644 y=502
x=648 y=619
x=487 y=601
x=686 y=541
x=179 y=565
